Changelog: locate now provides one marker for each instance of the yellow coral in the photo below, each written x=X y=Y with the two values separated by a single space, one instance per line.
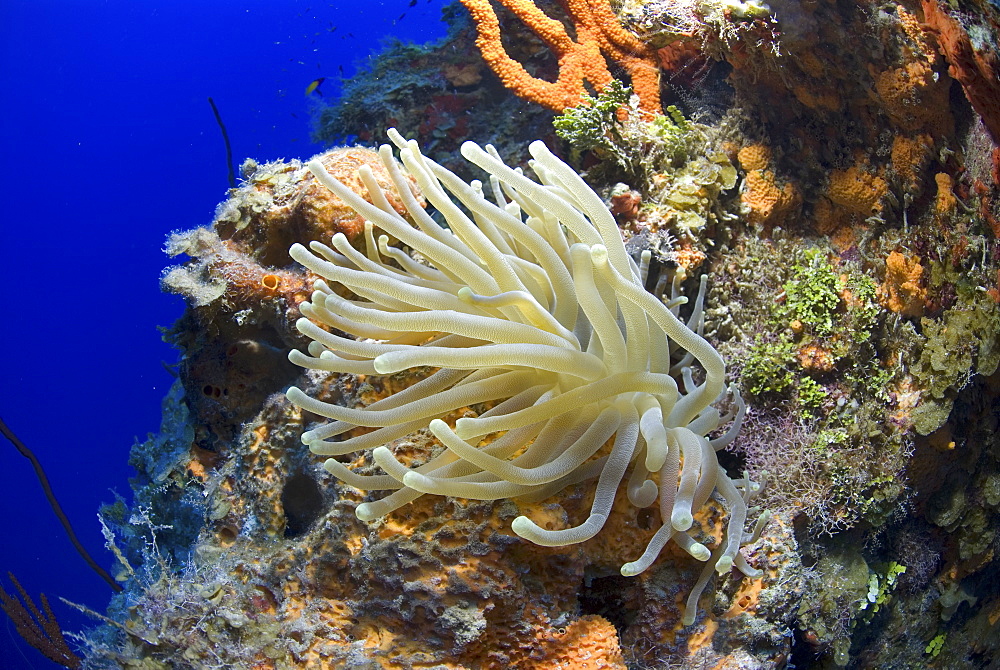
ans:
x=689 y=257
x=754 y=157
x=902 y=291
x=842 y=238
x=945 y=201
x=326 y=212
x=280 y=203
x=914 y=96
x=817 y=97
x=768 y=203
x=909 y=156
x=916 y=33
x=857 y=190
x=589 y=643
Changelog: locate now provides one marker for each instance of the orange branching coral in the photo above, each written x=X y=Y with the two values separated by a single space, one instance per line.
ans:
x=676 y=59
x=903 y=291
x=598 y=34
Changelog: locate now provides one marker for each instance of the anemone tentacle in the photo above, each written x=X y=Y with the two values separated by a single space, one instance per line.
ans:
x=530 y=302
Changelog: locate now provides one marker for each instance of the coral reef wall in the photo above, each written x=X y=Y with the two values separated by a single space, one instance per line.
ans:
x=832 y=166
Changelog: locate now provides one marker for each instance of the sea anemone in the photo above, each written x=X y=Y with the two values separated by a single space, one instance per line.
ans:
x=530 y=305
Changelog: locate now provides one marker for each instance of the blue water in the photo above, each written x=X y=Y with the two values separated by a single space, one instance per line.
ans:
x=108 y=143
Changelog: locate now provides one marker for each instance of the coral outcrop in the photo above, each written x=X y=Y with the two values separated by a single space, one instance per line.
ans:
x=831 y=168
x=244 y=292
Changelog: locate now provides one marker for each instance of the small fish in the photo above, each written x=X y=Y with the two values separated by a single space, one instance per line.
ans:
x=401 y=16
x=413 y=3
x=314 y=86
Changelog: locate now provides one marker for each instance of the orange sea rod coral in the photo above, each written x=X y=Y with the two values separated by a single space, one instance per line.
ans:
x=598 y=34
